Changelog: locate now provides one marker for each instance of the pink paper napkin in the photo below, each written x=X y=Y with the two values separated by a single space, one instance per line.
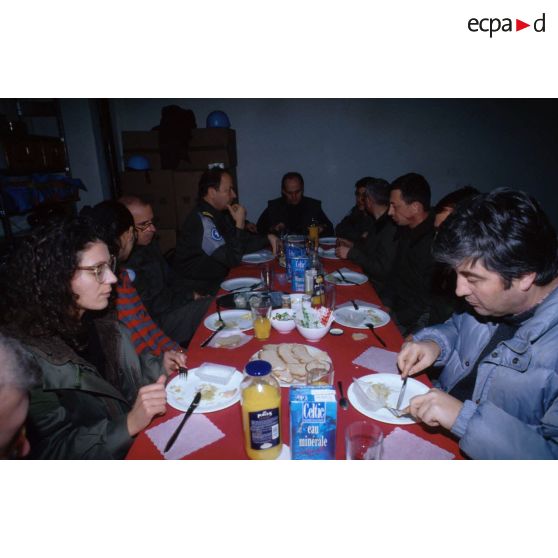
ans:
x=378 y=360
x=197 y=433
x=400 y=444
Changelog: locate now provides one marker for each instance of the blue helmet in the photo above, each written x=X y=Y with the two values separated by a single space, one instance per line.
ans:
x=138 y=162
x=217 y=119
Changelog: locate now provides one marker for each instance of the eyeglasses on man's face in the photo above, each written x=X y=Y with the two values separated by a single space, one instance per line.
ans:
x=142 y=227
x=101 y=270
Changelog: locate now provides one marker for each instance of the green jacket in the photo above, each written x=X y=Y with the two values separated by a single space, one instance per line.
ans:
x=77 y=414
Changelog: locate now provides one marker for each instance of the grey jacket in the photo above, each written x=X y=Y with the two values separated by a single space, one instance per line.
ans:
x=514 y=410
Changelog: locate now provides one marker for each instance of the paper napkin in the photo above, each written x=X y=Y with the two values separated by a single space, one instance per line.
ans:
x=378 y=360
x=401 y=444
x=229 y=339
x=197 y=433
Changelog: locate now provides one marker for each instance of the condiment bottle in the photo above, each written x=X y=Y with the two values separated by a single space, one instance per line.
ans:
x=261 y=411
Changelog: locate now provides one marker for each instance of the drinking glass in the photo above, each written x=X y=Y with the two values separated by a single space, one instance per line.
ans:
x=363 y=440
x=261 y=312
x=319 y=373
x=267 y=277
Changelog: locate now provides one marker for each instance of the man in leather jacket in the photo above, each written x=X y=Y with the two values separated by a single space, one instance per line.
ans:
x=293 y=212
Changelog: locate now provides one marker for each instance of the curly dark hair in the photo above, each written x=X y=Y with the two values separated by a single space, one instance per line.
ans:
x=112 y=219
x=36 y=282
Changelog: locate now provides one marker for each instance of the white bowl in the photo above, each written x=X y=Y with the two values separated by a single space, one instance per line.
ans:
x=313 y=333
x=283 y=326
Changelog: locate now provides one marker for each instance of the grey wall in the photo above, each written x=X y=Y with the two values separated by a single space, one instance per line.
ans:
x=486 y=143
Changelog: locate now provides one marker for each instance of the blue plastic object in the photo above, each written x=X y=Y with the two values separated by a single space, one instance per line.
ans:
x=138 y=162
x=218 y=119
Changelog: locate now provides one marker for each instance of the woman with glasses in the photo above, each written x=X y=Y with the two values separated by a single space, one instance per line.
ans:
x=117 y=228
x=96 y=393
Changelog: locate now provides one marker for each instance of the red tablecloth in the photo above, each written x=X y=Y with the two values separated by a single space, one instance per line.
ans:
x=342 y=350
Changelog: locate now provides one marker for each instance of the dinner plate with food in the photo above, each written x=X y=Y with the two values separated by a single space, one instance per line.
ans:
x=216 y=395
x=288 y=361
x=350 y=317
x=233 y=319
x=372 y=394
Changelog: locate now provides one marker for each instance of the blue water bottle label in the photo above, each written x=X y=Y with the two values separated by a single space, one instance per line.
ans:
x=264 y=429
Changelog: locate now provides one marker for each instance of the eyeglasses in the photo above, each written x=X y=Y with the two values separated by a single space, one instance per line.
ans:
x=144 y=226
x=101 y=271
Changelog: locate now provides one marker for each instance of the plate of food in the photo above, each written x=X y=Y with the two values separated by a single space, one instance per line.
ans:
x=351 y=277
x=349 y=317
x=371 y=394
x=215 y=396
x=261 y=256
x=233 y=319
x=288 y=361
x=327 y=253
x=241 y=284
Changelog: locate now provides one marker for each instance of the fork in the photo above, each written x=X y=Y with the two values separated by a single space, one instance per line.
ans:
x=183 y=372
x=398 y=412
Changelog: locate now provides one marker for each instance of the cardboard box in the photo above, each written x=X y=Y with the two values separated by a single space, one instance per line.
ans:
x=313 y=414
x=213 y=137
x=201 y=158
x=186 y=192
x=167 y=239
x=157 y=189
x=140 y=141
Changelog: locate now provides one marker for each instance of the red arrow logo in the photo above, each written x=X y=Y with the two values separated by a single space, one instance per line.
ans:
x=519 y=25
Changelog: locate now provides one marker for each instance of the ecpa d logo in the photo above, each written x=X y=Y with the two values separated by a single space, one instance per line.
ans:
x=493 y=25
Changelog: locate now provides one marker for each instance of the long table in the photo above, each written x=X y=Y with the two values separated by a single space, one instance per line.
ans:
x=342 y=350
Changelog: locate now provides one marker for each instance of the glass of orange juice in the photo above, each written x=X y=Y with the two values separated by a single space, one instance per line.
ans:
x=261 y=312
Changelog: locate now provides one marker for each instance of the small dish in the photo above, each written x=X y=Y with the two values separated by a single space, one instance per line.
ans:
x=282 y=325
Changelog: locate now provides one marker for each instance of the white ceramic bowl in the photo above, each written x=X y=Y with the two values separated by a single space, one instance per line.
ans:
x=282 y=326
x=313 y=333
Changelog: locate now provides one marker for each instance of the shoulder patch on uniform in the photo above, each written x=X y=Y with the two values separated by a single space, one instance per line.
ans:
x=215 y=234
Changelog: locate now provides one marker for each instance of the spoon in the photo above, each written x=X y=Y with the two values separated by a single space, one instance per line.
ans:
x=343 y=401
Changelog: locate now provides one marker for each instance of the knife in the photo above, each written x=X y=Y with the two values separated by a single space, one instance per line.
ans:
x=354 y=304
x=401 y=394
x=371 y=328
x=190 y=410
x=343 y=278
x=246 y=287
x=212 y=335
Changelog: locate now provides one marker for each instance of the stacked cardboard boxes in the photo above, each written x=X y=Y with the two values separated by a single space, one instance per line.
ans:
x=173 y=193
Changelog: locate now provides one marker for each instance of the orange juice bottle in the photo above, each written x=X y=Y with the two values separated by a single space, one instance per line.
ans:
x=261 y=411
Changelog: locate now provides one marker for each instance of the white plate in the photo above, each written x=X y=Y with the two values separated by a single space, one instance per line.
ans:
x=181 y=392
x=328 y=240
x=261 y=256
x=354 y=276
x=314 y=352
x=239 y=283
x=350 y=317
x=241 y=319
x=393 y=382
x=328 y=254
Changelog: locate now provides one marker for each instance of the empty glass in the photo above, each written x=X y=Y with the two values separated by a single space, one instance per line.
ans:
x=363 y=440
x=267 y=277
x=319 y=373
